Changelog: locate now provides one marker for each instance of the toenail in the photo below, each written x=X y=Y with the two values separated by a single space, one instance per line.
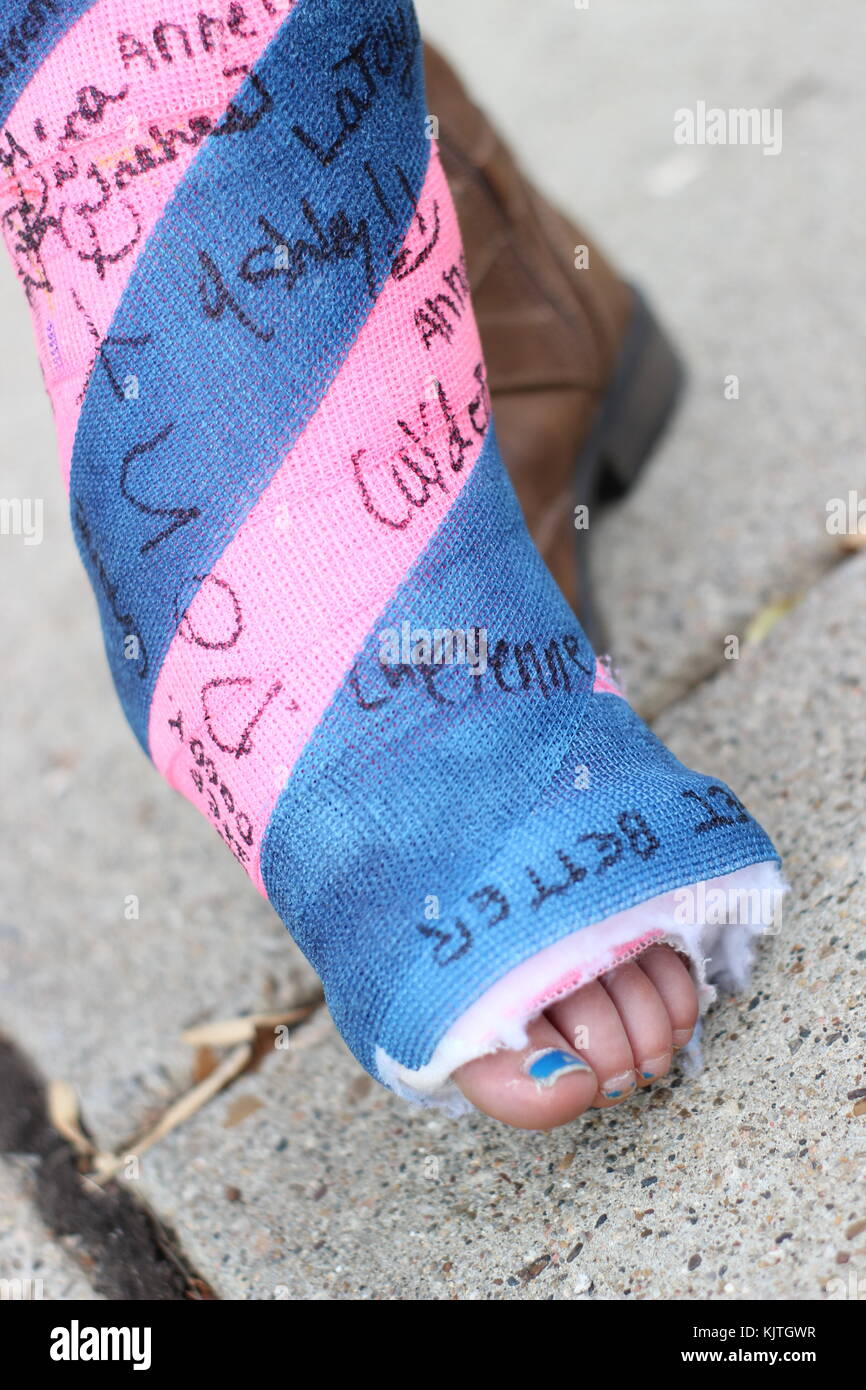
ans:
x=547 y=1066
x=655 y=1066
x=619 y=1086
x=680 y=1037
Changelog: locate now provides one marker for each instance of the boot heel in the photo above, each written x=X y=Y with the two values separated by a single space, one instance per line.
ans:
x=640 y=401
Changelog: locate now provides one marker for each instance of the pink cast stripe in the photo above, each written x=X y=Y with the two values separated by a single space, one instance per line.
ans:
x=274 y=627
x=604 y=681
x=76 y=314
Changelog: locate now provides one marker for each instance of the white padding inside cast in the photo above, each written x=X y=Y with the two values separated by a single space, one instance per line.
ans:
x=714 y=923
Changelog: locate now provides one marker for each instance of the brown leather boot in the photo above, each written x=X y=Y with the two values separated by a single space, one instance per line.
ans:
x=583 y=380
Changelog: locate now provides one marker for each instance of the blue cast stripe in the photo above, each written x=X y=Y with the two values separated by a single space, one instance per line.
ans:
x=239 y=312
x=440 y=828
x=29 y=29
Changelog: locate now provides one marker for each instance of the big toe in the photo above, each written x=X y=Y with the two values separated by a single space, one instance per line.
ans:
x=543 y=1085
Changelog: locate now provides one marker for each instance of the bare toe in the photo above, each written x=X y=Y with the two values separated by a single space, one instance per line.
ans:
x=645 y=1019
x=543 y=1085
x=676 y=987
x=590 y=1021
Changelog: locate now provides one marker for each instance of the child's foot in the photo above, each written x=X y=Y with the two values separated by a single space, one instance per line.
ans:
x=592 y=1049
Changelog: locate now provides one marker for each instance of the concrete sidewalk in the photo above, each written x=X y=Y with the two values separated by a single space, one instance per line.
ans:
x=304 y=1179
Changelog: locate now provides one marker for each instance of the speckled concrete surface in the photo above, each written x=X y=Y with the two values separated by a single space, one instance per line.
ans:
x=748 y=1182
x=745 y=1183
x=34 y=1266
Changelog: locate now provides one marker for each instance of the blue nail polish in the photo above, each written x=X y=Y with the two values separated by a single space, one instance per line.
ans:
x=548 y=1066
x=655 y=1067
x=619 y=1086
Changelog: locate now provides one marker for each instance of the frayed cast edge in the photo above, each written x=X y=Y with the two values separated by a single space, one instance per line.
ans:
x=696 y=919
